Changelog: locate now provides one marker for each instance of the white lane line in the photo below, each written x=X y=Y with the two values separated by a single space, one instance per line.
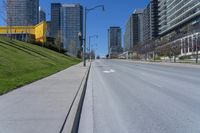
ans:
x=110 y=71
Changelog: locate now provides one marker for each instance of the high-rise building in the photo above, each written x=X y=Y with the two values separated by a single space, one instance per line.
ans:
x=176 y=14
x=22 y=12
x=71 y=25
x=162 y=15
x=151 y=21
x=134 y=30
x=114 y=41
x=180 y=24
x=42 y=15
x=55 y=19
x=128 y=35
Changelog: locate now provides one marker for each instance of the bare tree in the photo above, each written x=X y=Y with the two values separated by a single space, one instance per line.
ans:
x=165 y=51
x=72 y=47
x=58 y=41
x=175 y=49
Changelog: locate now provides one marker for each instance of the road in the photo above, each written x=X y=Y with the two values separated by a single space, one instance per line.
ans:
x=128 y=97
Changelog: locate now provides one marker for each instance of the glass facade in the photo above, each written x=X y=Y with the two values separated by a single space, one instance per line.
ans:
x=42 y=15
x=151 y=21
x=128 y=35
x=55 y=19
x=22 y=12
x=71 y=25
x=134 y=30
x=114 y=40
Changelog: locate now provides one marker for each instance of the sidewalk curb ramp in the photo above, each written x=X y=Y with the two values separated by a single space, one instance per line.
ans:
x=71 y=122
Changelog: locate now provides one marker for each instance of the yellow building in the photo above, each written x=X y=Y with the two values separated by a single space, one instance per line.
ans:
x=36 y=33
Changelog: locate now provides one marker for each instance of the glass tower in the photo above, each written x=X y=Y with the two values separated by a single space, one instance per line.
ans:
x=22 y=12
x=71 y=25
x=134 y=30
x=114 y=40
x=42 y=15
x=55 y=19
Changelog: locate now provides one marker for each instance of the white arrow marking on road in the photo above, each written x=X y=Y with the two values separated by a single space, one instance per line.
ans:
x=110 y=71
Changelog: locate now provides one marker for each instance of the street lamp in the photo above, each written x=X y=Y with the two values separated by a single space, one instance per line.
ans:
x=87 y=10
x=94 y=36
x=80 y=36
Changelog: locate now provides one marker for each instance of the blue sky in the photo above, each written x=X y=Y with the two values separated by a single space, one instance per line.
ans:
x=116 y=14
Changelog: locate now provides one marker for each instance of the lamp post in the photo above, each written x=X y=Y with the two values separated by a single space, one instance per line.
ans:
x=80 y=35
x=87 y=10
x=90 y=37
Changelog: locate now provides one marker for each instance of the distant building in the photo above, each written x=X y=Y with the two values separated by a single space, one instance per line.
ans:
x=22 y=12
x=151 y=21
x=134 y=30
x=114 y=41
x=55 y=19
x=71 y=25
x=42 y=15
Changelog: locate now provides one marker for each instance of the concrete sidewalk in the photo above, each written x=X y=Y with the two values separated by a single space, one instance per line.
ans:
x=41 y=107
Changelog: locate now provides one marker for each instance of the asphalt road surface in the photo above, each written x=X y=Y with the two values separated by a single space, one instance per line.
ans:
x=130 y=97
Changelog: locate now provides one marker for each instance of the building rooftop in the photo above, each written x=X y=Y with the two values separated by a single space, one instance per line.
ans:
x=70 y=5
x=138 y=11
x=112 y=27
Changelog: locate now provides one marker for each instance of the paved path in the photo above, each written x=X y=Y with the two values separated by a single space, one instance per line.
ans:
x=42 y=106
x=134 y=97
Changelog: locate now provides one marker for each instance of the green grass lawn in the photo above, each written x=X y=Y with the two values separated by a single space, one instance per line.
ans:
x=22 y=63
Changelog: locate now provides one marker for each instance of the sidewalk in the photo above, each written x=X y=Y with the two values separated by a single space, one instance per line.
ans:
x=41 y=107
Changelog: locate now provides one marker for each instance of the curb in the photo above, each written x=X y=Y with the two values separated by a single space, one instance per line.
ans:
x=186 y=65
x=72 y=119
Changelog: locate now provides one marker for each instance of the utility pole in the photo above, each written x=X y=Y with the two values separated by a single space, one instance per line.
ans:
x=85 y=28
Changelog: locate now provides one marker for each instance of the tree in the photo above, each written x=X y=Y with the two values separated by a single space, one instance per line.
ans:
x=72 y=47
x=175 y=49
x=58 y=41
x=164 y=51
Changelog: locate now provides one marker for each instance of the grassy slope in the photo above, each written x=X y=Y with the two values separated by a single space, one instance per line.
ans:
x=22 y=63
